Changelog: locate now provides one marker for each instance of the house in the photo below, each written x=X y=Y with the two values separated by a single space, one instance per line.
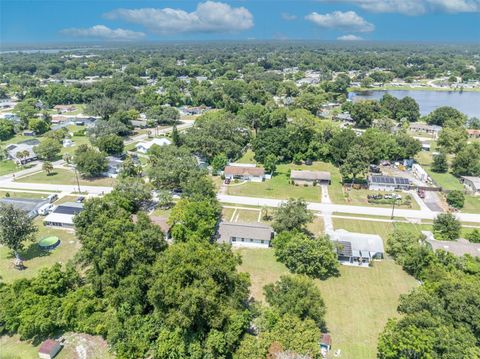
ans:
x=245 y=234
x=29 y=133
x=64 y=108
x=425 y=146
x=421 y=127
x=357 y=248
x=473 y=133
x=7 y=103
x=114 y=166
x=14 y=149
x=139 y=123
x=62 y=215
x=30 y=206
x=326 y=342
x=460 y=247
x=49 y=349
x=245 y=173
x=344 y=117
x=387 y=183
x=310 y=177
x=472 y=184
x=143 y=147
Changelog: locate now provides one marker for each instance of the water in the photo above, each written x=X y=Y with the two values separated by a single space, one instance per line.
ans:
x=466 y=102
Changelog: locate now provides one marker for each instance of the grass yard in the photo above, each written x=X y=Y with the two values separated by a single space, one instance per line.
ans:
x=472 y=204
x=93 y=347
x=23 y=195
x=358 y=197
x=359 y=302
x=65 y=177
x=7 y=167
x=36 y=258
x=280 y=188
x=445 y=180
x=317 y=227
x=247 y=157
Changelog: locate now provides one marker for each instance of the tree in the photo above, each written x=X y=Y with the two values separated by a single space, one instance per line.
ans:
x=340 y=145
x=47 y=167
x=473 y=236
x=446 y=117
x=201 y=298
x=175 y=136
x=303 y=254
x=270 y=163
x=111 y=144
x=199 y=187
x=356 y=163
x=16 y=227
x=292 y=215
x=218 y=163
x=48 y=150
x=38 y=125
x=446 y=227
x=102 y=106
x=298 y=296
x=467 y=161
x=407 y=109
x=133 y=191
x=364 y=112
x=452 y=140
x=440 y=163
x=90 y=162
x=26 y=110
x=194 y=220
x=7 y=129
x=456 y=199
x=129 y=168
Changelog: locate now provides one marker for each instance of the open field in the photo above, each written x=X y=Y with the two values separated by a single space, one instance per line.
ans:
x=359 y=302
x=36 y=258
x=93 y=347
x=65 y=177
x=472 y=204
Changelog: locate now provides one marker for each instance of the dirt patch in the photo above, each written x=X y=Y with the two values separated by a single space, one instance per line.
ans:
x=84 y=346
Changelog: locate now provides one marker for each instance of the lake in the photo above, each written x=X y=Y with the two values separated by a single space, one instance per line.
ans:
x=466 y=102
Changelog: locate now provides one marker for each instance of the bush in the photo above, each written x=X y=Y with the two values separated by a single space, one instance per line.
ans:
x=456 y=199
x=446 y=227
x=474 y=236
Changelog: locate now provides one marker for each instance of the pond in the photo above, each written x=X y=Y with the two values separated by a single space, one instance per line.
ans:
x=466 y=102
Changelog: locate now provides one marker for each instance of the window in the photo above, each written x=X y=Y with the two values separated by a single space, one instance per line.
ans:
x=262 y=241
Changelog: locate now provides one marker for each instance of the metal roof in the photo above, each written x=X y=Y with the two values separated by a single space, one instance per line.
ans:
x=357 y=243
x=389 y=180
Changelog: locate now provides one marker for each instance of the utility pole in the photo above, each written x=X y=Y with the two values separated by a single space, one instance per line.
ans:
x=393 y=207
x=78 y=182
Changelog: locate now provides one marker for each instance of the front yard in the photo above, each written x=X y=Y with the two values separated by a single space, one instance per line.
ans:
x=65 y=177
x=359 y=302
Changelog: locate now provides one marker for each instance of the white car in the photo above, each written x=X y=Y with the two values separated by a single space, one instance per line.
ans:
x=45 y=209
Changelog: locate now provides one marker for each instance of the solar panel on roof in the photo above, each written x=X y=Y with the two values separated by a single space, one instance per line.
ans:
x=67 y=210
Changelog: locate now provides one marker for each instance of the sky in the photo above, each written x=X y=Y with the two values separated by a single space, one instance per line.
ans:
x=47 y=21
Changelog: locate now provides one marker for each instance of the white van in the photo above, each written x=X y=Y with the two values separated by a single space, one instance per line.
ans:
x=45 y=209
x=52 y=198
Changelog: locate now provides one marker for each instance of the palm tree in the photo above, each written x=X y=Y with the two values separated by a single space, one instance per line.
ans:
x=47 y=167
x=21 y=155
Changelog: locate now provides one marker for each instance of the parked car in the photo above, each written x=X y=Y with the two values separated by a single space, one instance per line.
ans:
x=227 y=181
x=45 y=209
x=52 y=198
x=421 y=193
x=392 y=196
x=80 y=199
x=375 y=169
x=375 y=196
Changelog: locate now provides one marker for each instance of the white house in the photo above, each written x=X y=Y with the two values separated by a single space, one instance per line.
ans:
x=143 y=147
x=357 y=248
x=62 y=215
x=472 y=184
x=238 y=234
x=245 y=173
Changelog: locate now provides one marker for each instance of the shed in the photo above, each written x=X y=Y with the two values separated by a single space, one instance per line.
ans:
x=245 y=234
x=49 y=349
x=326 y=341
x=310 y=177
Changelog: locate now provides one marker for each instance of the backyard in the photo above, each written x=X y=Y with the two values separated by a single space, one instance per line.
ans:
x=36 y=258
x=359 y=302
x=65 y=177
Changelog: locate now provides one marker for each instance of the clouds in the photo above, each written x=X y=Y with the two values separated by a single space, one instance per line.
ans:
x=288 y=17
x=345 y=21
x=105 y=33
x=349 y=38
x=208 y=17
x=414 y=7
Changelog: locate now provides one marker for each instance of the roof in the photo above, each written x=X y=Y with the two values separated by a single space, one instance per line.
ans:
x=354 y=244
x=59 y=218
x=162 y=222
x=424 y=126
x=257 y=231
x=69 y=208
x=310 y=175
x=459 y=247
x=244 y=171
x=326 y=339
x=26 y=204
x=389 y=180
x=15 y=148
x=473 y=132
x=474 y=180
x=156 y=141
x=48 y=346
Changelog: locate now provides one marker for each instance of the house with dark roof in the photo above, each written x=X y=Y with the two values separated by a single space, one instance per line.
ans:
x=62 y=215
x=244 y=173
x=459 y=248
x=310 y=178
x=388 y=183
x=240 y=234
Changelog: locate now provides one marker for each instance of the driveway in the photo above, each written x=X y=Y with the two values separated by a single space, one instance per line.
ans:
x=433 y=201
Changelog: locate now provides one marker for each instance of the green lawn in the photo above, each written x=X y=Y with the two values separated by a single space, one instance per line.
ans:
x=16 y=194
x=247 y=157
x=445 y=180
x=65 y=177
x=359 y=302
x=358 y=197
x=472 y=204
x=7 y=167
x=279 y=186
x=36 y=258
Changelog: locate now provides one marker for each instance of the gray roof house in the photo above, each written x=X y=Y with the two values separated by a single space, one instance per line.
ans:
x=471 y=183
x=460 y=247
x=245 y=234
x=14 y=149
x=30 y=206
x=62 y=215
x=310 y=177
x=357 y=248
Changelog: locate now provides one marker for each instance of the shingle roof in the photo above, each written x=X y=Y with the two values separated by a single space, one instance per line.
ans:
x=256 y=231
x=244 y=171
x=475 y=181
x=310 y=175
x=357 y=242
